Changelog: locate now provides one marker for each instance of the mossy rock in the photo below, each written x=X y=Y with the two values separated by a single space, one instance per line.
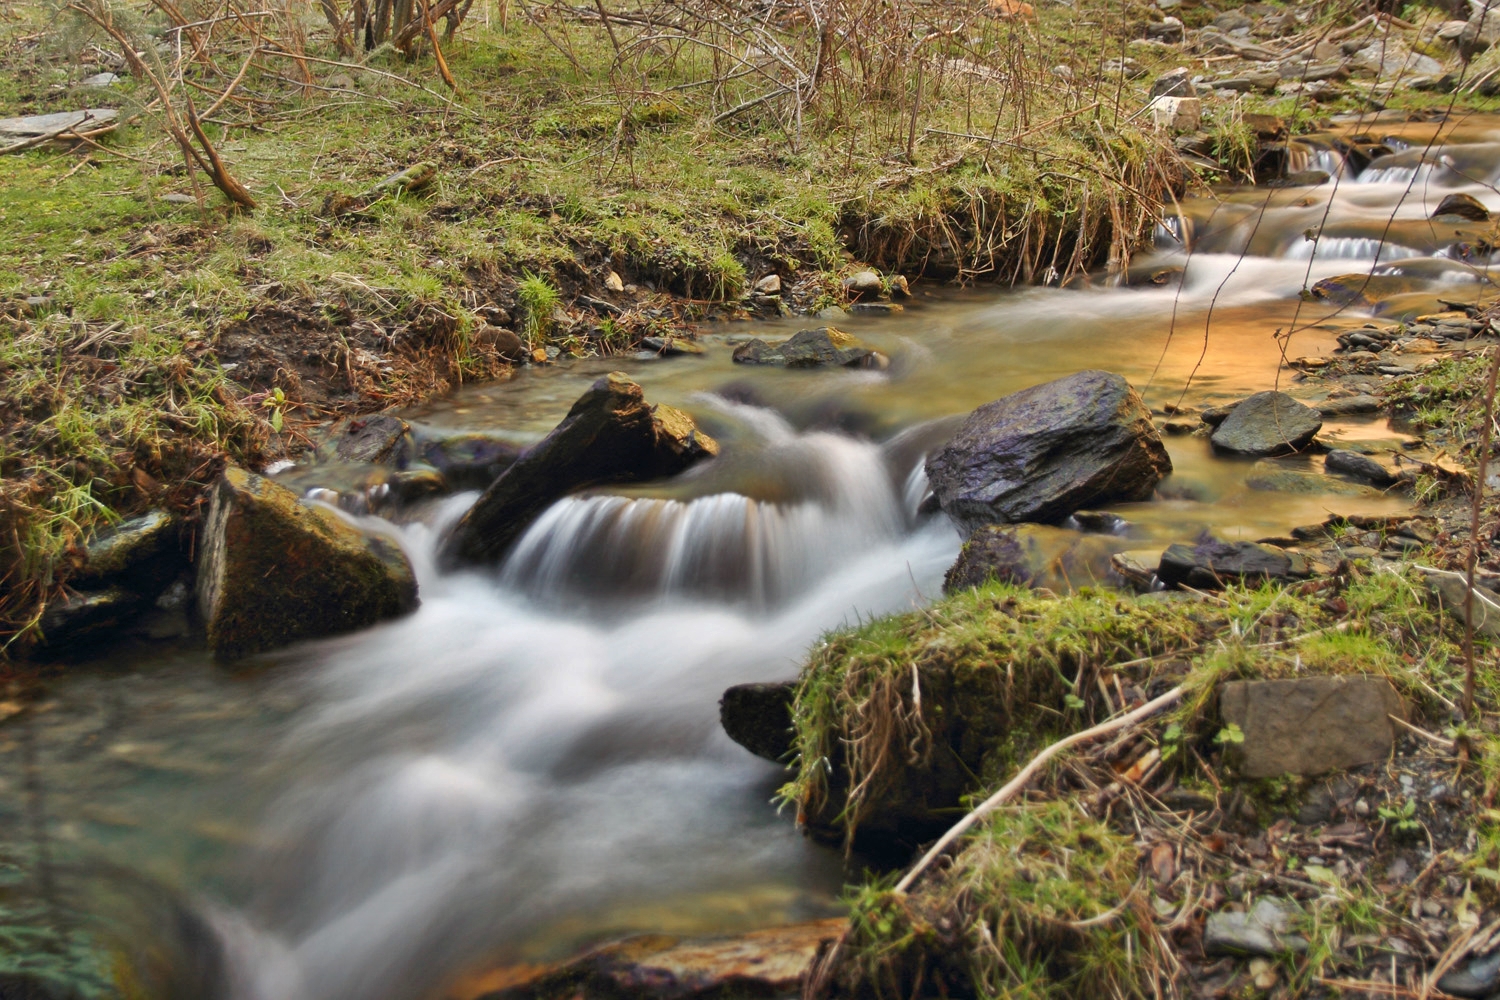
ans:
x=273 y=570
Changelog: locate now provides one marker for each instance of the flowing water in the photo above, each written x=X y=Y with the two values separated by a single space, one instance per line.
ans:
x=532 y=760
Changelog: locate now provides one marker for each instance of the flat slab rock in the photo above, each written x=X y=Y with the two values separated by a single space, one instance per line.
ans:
x=31 y=126
x=1268 y=423
x=1210 y=563
x=1310 y=725
x=768 y=963
x=1265 y=929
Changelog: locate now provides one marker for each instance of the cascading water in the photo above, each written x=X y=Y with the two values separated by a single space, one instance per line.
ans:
x=532 y=761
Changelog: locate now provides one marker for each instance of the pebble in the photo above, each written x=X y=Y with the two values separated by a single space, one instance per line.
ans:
x=769 y=285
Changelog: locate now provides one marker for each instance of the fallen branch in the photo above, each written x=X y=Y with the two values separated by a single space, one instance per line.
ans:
x=1020 y=781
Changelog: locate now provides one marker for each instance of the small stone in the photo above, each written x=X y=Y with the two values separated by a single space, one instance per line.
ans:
x=1210 y=563
x=864 y=283
x=830 y=313
x=1349 y=405
x=1174 y=83
x=507 y=344
x=1357 y=466
x=1268 y=423
x=899 y=287
x=1478 y=978
x=176 y=199
x=769 y=285
x=1168 y=29
x=1463 y=206
x=1310 y=725
x=1264 y=931
x=875 y=308
x=671 y=347
x=613 y=282
x=99 y=80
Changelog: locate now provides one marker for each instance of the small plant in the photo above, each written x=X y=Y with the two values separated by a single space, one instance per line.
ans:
x=536 y=299
x=276 y=403
x=1230 y=735
x=1401 y=818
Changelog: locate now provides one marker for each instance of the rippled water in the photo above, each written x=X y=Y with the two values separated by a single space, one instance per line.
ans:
x=532 y=761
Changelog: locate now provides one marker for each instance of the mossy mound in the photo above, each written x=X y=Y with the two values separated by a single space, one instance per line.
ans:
x=273 y=570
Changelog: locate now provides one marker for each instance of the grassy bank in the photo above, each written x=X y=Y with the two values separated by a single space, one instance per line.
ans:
x=150 y=330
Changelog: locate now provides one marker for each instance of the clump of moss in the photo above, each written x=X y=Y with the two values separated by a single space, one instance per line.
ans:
x=536 y=299
x=1040 y=903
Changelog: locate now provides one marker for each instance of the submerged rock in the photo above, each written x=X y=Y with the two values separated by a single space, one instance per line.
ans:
x=467 y=460
x=1310 y=725
x=759 y=718
x=1042 y=453
x=611 y=435
x=1270 y=479
x=1357 y=466
x=273 y=570
x=1268 y=423
x=823 y=347
x=380 y=439
x=1210 y=564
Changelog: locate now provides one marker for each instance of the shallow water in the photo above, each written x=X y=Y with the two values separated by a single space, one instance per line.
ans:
x=532 y=761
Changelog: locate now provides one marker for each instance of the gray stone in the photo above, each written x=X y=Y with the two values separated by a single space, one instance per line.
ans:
x=1357 y=466
x=864 y=283
x=1310 y=725
x=769 y=285
x=1216 y=415
x=142 y=554
x=1209 y=564
x=467 y=460
x=1268 y=423
x=1269 y=479
x=99 y=80
x=1450 y=589
x=823 y=347
x=1349 y=406
x=1174 y=83
x=378 y=439
x=1168 y=29
x=1478 y=978
x=1044 y=452
x=671 y=347
x=87 y=121
x=1032 y=555
x=1265 y=930
x=759 y=718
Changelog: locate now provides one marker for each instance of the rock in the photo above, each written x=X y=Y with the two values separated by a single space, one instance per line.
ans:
x=380 y=440
x=822 y=347
x=89 y=121
x=99 y=80
x=273 y=570
x=1267 y=478
x=611 y=435
x=1310 y=725
x=1173 y=83
x=142 y=554
x=1211 y=563
x=1464 y=206
x=505 y=343
x=1168 y=29
x=1349 y=406
x=1264 y=930
x=1300 y=178
x=1137 y=567
x=1032 y=555
x=671 y=347
x=1261 y=80
x=766 y=963
x=1357 y=466
x=1176 y=114
x=89 y=616
x=1044 y=452
x=1232 y=20
x=864 y=283
x=1268 y=423
x=875 y=308
x=769 y=285
x=759 y=718
x=1450 y=590
x=899 y=287
x=467 y=460
x=1478 y=978
x=830 y=313
x=1216 y=415
x=613 y=282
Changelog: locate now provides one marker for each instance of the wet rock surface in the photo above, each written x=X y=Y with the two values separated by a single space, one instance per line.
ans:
x=273 y=570
x=611 y=435
x=1268 y=423
x=1310 y=725
x=823 y=347
x=1042 y=453
x=1211 y=563
x=759 y=718
x=1032 y=555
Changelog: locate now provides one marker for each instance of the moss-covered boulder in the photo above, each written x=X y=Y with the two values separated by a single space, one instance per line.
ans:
x=273 y=570
x=611 y=435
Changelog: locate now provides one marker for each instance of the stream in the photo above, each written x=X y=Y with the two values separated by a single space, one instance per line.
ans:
x=532 y=761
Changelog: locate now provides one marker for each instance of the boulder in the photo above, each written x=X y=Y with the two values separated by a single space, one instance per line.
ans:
x=1356 y=466
x=764 y=963
x=1210 y=564
x=1464 y=206
x=825 y=346
x=1040 y=454
x=1268 y=423
x=273 y=570
x=759 y=718
x=1310 y=725
x=611 y=435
